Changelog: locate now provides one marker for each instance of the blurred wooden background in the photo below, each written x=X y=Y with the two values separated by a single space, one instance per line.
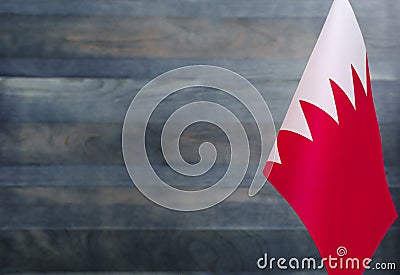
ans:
x=69 y=70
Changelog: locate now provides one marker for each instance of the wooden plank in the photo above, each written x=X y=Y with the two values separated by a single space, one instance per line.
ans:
x=157 y=250
x=147 y=69
x=100 y=143
x=155 y=37
x=68 y=100
x=92 y=207
x=61 y=143
x=171 y=37
x=67 y=175
x=117 y=176
x=209 y=8
x=75 y=121
x=107 y=100
x=201 y=251
x=382 y=68
x=224 y=8
x=110 y=176
x=77 y=207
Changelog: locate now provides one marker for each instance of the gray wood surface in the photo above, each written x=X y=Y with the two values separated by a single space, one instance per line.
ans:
x=79 y=121
x=156 y=37
x=382 y=68
x=98 y=100
x=115 y=176
x=210 y=251
x=68 y=71
x=150 y=250
x=209 y=8
x=100 y=143
x=75 y=207
x=124 y=207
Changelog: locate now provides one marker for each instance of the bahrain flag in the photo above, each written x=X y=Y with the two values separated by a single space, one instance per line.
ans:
x=327 y=160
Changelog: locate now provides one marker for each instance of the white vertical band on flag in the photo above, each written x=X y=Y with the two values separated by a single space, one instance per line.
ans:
x=339 y=46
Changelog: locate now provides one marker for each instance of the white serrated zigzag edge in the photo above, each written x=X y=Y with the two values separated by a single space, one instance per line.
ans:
x=339 y=46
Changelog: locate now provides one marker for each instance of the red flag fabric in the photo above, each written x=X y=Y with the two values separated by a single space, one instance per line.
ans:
x=327 y=161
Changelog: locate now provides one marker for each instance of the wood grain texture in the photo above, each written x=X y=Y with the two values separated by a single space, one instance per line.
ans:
x=100 y=143
x=202 y=251
x=209 y=8
x=67 y=203
x=224 y=8
x=155 y=37
x=124 y=207
x=117 y=176
x=77 y=207
x=172 y=37
x=150 y=250
x=98 y=100
x=79 y=121
x=382 y=68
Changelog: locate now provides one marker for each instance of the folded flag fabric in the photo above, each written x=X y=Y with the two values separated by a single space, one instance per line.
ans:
x=327 y=161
